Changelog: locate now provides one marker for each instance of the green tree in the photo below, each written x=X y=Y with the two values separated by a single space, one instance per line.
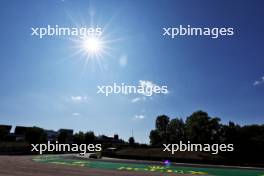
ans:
x=63 y=137
x=176 y=130
x=155 y=138
x=131 y=141
x=116 y=137
x=89 y=137
x=216 y=130
x=231 y=133
x=79 y=138
x=162 y=123
x=200 y=128
x=3 y=133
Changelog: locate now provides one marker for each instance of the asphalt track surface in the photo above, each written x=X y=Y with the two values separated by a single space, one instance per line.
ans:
x=25 y=166
x=64 y=166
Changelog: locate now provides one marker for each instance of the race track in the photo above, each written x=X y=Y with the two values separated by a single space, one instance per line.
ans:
x=59 y=165
x=25 y=166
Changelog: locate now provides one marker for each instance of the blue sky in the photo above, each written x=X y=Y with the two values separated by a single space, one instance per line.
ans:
x=43 y=83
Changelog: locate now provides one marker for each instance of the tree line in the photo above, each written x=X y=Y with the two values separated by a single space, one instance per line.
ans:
x=199 y=127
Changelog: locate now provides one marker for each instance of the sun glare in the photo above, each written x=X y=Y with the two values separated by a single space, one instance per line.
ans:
x=92 y=46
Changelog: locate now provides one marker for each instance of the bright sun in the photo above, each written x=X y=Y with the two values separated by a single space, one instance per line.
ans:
x=93 y=46
x=92 y=49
